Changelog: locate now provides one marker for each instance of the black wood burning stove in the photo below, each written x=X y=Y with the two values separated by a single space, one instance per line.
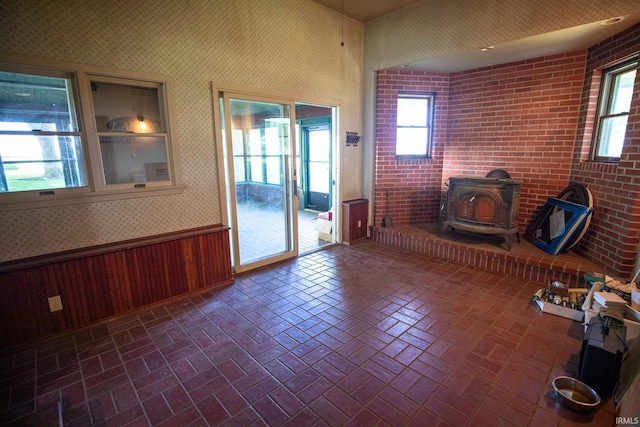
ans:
x=483 y=205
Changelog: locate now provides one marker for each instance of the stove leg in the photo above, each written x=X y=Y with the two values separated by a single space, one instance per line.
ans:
x=507 y=240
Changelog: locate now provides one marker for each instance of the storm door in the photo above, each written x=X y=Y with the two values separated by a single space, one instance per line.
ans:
x=317 y=167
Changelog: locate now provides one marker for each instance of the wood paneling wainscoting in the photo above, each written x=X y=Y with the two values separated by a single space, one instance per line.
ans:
x=100 y=282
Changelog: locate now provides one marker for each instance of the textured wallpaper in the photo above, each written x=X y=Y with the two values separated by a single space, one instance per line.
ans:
x=288 y=46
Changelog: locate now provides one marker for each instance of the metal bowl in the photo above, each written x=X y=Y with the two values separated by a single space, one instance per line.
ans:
x=575 y=394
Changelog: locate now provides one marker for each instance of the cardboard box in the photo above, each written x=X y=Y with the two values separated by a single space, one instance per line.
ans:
x=558 y=310
x=324 y=228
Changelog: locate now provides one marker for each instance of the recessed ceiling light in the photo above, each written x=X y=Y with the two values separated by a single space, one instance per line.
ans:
x=487 y=48
x=612 y=21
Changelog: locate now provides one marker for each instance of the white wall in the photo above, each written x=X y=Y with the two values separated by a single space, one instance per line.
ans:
x=290 y=46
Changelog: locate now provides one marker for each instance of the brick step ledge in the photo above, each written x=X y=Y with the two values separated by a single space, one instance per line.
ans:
x=488 y=252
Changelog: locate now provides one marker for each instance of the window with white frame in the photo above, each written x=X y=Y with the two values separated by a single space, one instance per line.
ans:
x=131 y=130
x=41 y=145
x=51 y=149
x=414 y=124
x=614 y=102
x=261 y=161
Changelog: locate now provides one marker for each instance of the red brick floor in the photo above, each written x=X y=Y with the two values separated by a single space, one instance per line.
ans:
x=364 y=335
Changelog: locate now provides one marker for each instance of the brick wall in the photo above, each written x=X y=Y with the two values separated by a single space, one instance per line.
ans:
x=520 y=117
x=613 y=236
x=532 y=118
x=414 y=185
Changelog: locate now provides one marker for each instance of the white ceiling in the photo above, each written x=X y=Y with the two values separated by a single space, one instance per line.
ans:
x=566 y=40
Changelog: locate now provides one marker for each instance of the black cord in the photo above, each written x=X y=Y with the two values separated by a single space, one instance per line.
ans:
x=342 y=37
x=607 y=326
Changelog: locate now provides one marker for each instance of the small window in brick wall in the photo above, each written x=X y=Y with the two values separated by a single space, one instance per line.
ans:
x=614 y=102
x=414 y=125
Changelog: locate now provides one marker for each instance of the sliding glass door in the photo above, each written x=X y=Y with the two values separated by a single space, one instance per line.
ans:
x=259 y=150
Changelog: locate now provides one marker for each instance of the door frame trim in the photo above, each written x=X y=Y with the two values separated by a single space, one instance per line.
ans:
x=218 y=89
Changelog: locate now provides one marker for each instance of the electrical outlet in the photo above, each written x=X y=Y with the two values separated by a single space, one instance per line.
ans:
x=55 y=303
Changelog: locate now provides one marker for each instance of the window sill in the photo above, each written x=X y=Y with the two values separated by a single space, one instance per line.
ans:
x=82 y=198
x=604 y=161
x=412 y=156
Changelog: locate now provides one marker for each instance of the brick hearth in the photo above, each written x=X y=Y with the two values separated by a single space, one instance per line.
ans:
x=488 y=252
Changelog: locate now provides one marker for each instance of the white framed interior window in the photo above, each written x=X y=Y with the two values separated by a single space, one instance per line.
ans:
x=616 y=92
x=261 y=160
x=414 y=124
x=73 y=134
x=131 y=129
x=41 y=139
